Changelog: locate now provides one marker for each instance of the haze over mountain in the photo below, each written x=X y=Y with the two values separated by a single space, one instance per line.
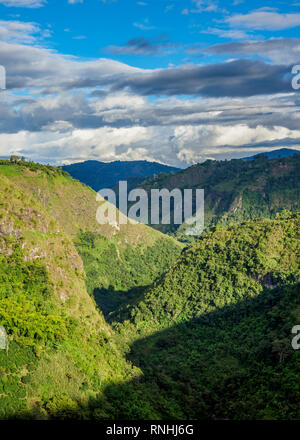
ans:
x=100 y=175
x=282 y=152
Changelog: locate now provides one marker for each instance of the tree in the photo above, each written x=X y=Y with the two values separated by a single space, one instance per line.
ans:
x=14 y=159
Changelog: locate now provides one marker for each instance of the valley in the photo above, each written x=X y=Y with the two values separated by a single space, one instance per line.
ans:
x=129 y=323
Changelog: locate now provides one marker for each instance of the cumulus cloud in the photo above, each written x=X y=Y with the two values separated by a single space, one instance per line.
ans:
x=67 y=109
x=179 y=145
x=72 y=127
x=36 y=67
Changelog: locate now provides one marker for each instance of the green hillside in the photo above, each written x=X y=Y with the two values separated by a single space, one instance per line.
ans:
x=213 y=336
x=227 y=265
x=199 y=333
x=237 y=190
x=119 y=261
x=235 y=363
x=61 y=351
x=60 y=347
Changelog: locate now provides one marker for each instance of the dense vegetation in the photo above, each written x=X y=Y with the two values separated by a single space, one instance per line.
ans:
x=237 y=190
x=213 y=336
x=203 y=333
x=234 y=363
x=55 y=359
x=61 y=351
x=117 y=273
x=227 y=265
x=31 y=166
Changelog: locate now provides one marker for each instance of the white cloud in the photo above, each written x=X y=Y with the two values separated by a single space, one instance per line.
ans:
x=18 y=32
x=145 y=26
x=234 y=34
x=58 y=146
x=24 y=3
x=106 y=122
x=175 y=137
x=278 y=50
x=204 y=6
x=29 y=66
x=212 y=136
x=264 y=20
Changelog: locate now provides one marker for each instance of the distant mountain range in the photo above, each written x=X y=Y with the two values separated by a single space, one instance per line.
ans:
x=282 y=152
x=237 y=189
x=99 y=175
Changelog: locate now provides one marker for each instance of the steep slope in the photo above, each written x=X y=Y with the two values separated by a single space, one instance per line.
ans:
x=116 y=273
x=226 y=266
x=213 y=336
x=100 y=175
x=117 y=254
x=236 y=363
x=210 y=339
x=61 y=351
x=236 y=190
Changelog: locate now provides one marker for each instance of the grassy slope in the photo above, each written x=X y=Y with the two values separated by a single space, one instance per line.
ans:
x=61 y=349
x=115 y=262
x=238 y=190
x=41 y=210
x=72 y=203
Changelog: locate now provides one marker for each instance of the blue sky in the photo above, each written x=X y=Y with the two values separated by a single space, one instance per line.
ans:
x=88 y=28
x=172 y=81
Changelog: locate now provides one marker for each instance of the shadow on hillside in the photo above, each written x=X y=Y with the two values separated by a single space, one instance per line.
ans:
x=232 y=363
x=115 y=304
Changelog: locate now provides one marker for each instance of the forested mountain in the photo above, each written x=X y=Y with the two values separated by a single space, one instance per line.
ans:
x=202 y=332
x=60 y=348
x=100 y=175
x=282 y=152
x=237 y=190
x=213 y=335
